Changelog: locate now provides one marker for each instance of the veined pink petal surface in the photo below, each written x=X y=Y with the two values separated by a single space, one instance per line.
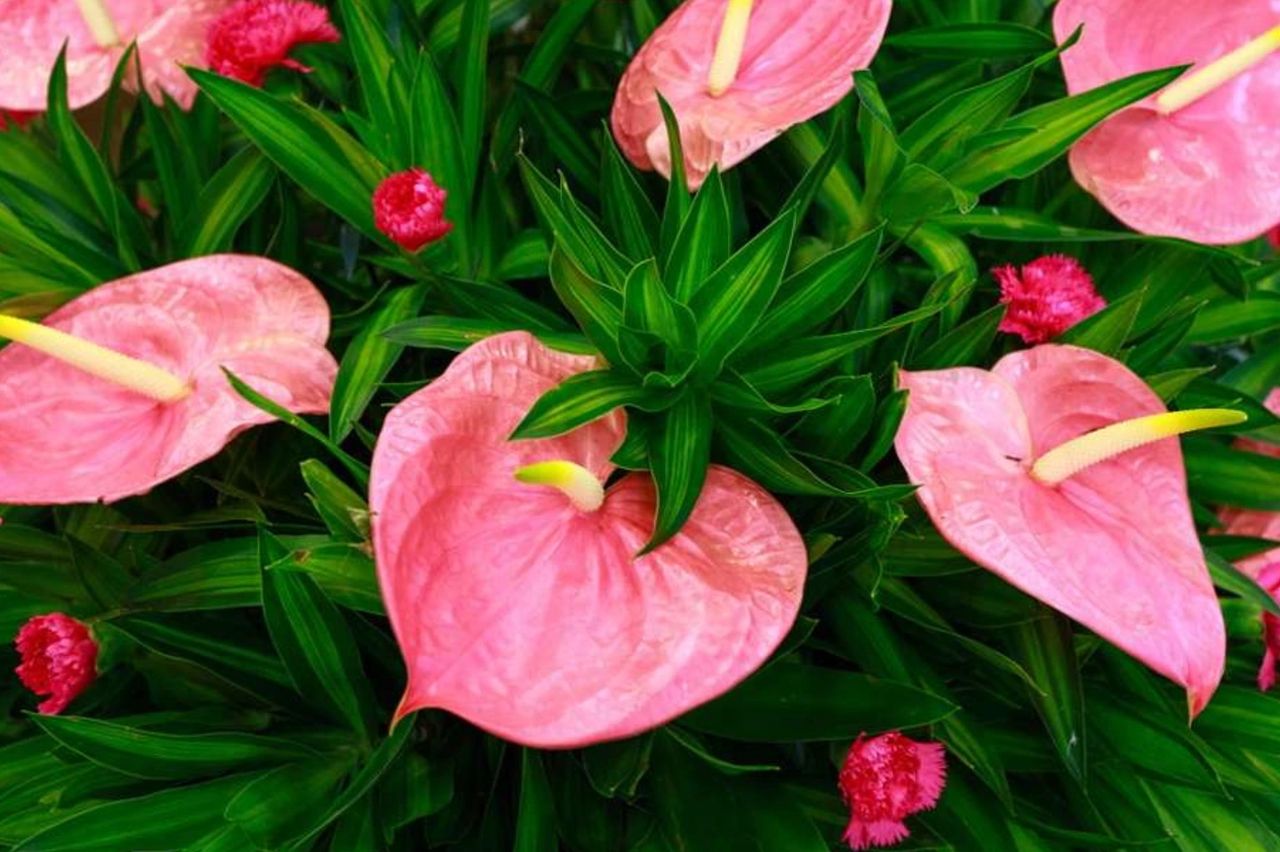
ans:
x=534 y=620
x=798 y=61
x=71 y=437
x=169 y=34
x=1210 y=172
x=1113 y=547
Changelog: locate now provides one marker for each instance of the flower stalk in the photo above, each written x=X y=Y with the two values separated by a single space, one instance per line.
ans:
x=1200 y=82
x=131 y=373
x=1066 y=460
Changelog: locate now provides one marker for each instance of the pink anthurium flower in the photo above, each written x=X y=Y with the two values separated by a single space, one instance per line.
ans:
x=511 y=577
x=1264 y=568
x=169 y=35
x=737 y=76
x=1054 y=471
x=1161 y=166
x=122 y=388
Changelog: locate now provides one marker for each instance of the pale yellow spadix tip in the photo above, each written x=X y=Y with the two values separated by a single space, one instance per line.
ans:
x=729 y=47
x=99 y=21
x=1066 y=460
x=131 y=373
x=1200 y=82
x=577 y=483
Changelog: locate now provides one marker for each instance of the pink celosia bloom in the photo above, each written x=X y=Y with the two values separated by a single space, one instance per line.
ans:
x=169 y=34
x=1264 y=568
x=58 y=658
x=1209 y=172
x=1112 y=546
x=254 y=36
x=798 y=61
x=886 y=779
x=408 y=207
x=1047 y=297
x=535 y=619
x=73 y=437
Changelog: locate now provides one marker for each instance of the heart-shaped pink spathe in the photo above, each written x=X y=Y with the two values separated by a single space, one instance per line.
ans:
x=534 y=620
x=798 y=61
x=1113 y=547
x=1210 y=172
x=169 y=34
x=70 y=437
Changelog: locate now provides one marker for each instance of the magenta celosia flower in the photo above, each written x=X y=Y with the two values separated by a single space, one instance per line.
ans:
x=1057 y=471
x=1161 y=166
x=736 y=87
x=15 y=118
x=59 y=656
x=1264 y=568
x=408 y=207
x=886 y=779
x=169 y=34
x=1047 y=297
x=123 y=387
x=511 y=577
x=254 y=36
x=1273 y=237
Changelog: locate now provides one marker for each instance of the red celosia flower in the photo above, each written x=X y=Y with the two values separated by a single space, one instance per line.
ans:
x=409 y=208
x=15 y=118
x=58 y=659
x=1273 y=237
x=254 y=36
x=1047 y=297
x=1269 y=579
x=884 y=780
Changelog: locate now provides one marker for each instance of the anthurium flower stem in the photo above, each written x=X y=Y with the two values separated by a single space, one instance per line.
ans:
x=580 y=485
x=99 y=21
x=1066 y=460
x=728 y=55
x=131 y=373
x=1191 y=87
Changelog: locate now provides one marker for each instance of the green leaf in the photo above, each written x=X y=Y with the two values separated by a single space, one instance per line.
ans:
x=1045 y=648
x=761 y=454
x=883 y=156
x=1031 y=140
x=306 y=145
x=803 y=703
x=730 y=303
x=169 y=819
x=628 y=213
x=703 y=241
x=282 y=803
x=987 y=41
x=1107 y=330
x=344 y=512
x=471 y=67
x=368 y=359
x=314 y=643
x=1223 y=321
x=357 y=469
x=437 y=145
x=381 y=79
x=1229 y=577
x=678 y=201
x=597 y=308
x=1229 y=477
x=536 y=820
x=166 y=757
x=581 y=399
x=967 y=343
x=225 y=202
x=457 y=333
x=679 y=452
x=104 y=578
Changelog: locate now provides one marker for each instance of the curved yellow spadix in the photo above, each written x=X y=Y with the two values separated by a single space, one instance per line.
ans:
x=139 y=376
x=577 y=483
x=729 y=46
x=1066 y=460
x=99 y=21
x=1200 y=82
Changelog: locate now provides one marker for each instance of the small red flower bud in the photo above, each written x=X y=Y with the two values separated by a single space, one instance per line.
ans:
x=1047 y=297
x=254 y=36
x=15 y=118
x=409 y=208
x=884 y=780
x=59 y=655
